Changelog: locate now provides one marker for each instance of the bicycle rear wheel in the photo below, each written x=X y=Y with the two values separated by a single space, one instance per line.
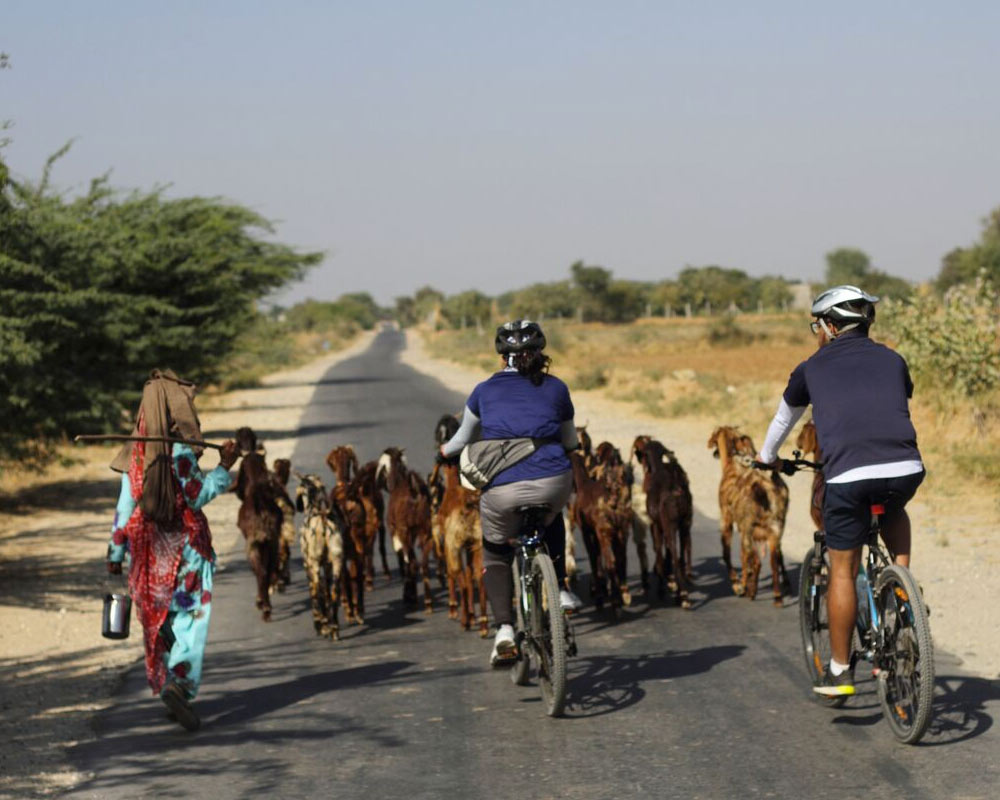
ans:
x=814 y=623
x=906 y=668
x=519 y=672
x=548 y=632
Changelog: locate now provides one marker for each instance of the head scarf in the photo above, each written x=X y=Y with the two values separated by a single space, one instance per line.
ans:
x=167 y=409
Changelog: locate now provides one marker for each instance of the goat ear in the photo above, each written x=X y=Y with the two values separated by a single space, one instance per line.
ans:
x=299 y=504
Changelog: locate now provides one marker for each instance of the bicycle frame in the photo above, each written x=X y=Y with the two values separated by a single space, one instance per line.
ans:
x=876 y=559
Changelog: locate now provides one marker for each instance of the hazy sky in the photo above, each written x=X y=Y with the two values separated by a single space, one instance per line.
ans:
x=487 y=145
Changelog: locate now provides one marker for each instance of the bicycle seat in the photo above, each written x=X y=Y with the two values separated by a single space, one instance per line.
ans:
x=538 y=508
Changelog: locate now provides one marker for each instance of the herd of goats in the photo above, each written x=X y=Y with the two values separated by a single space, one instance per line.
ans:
x=439 y=517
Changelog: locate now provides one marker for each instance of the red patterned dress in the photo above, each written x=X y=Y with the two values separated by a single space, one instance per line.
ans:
x=172 y=568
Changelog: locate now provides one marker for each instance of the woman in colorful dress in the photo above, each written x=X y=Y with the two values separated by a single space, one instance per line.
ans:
x=159 y=522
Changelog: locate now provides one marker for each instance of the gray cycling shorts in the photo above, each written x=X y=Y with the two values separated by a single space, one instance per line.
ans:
x=498 y=505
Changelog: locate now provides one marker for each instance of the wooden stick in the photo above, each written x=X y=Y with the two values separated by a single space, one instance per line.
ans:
x=118 y=437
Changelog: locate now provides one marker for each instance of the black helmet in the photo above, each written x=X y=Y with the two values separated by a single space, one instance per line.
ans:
x=518 y=336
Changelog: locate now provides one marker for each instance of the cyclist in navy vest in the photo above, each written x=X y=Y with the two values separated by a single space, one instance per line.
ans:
x=859 y=391
x=520 y=401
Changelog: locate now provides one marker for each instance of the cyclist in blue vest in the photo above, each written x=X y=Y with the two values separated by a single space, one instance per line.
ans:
x=859 y=391
x=521 y=401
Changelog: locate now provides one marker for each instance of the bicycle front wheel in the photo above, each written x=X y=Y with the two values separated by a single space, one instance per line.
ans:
x=906 y=662
x=519 y=672
x=548 y=633
x=814 y=623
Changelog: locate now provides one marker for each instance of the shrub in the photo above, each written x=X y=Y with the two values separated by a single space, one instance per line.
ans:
x=590 y=378
x=951 y=344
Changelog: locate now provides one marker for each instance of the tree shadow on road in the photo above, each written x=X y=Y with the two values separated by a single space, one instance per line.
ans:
x=601 y=685
x=294 y=433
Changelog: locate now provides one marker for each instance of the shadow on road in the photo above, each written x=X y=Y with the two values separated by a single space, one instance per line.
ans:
x=601 y=685
x=345 y=381
x=294 y=433
x=960 y=709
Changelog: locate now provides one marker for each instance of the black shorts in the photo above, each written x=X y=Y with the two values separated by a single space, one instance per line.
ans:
x=847 y=507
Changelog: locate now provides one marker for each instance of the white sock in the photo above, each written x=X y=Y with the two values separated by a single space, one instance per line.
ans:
x=836 y=668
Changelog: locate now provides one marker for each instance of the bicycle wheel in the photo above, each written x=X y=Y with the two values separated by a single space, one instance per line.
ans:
x=906 y=668
x=814 y=623
x=519 y=672
x=548 y=633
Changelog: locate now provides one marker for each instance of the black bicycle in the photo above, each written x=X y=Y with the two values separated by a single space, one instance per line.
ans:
x=892 y=631
x=542 y=630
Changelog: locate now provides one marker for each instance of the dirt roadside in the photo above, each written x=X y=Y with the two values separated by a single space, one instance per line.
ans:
x=960 y=572
x=56 y=670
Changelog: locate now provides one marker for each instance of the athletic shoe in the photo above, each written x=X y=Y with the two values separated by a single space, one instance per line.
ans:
x=504 y=649
x=569 y=601
x=174 y=699
x=835 y=685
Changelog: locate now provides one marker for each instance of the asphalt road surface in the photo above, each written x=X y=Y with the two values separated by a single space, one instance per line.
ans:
x=666 y=703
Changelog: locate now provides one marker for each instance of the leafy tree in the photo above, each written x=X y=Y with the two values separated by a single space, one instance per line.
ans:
x=467 y=308
x=625 y=301
x=590 y=289
x=714 y=287
x=405 y=311
x=542 y=300
x=98 y=289
x=666 y=295
x=963 y=265
x=853 y=266
x=772 y=293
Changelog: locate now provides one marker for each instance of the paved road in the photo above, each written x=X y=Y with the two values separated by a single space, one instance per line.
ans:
x=709 y=703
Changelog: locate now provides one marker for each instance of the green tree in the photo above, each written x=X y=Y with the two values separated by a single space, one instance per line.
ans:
x=714 y=288
x=772 y=293
x=590 y=290
x=541 y=301
x=853 y=266
x=964 y=265
x=467 y=308
x=98 y=289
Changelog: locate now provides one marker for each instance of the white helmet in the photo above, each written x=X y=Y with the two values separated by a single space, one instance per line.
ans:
x=846 y=305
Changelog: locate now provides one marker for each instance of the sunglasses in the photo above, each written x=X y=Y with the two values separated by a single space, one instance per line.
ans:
x=814 y=327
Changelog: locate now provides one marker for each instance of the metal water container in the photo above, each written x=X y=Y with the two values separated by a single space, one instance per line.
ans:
x=117 y=613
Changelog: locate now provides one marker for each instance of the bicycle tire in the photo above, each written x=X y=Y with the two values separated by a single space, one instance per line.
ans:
x=906 y=688
x=519 y=672
x=814 y=624
x=549 y=635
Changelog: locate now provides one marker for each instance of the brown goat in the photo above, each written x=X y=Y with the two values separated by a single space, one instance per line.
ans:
x=456 y=524
x=280 y=474
x=322 y=554
x=344 y=464
x=671 y=510
x=259 y=519
x=756 y=502
x=808 y=443
x=605 y=517
x=409 y=521
x=570 y=514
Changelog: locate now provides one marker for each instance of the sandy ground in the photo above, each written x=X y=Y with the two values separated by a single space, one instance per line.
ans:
x=954 y=555
x=55 y=668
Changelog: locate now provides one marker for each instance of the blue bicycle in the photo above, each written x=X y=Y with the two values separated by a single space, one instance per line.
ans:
x=892 y=632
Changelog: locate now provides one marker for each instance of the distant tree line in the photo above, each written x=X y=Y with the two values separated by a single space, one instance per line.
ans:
x=593 y=294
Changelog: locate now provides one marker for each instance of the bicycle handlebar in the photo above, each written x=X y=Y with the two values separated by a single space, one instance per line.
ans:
x=789 y=466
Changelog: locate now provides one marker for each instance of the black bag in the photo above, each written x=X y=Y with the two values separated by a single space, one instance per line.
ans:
x=482 y=461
